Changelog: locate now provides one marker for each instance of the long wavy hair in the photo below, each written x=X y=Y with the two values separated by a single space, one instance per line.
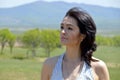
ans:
x=88 y=28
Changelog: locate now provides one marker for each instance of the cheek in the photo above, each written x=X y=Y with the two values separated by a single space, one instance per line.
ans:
x=75 y=37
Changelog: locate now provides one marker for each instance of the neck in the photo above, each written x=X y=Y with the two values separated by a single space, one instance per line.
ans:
x=72 y=53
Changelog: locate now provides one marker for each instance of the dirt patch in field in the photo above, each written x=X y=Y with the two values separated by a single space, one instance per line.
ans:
x=113 y=65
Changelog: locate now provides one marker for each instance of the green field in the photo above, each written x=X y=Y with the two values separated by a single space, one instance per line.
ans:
x=16 y=67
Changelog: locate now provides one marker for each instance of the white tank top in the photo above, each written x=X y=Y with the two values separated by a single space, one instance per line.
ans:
x=85 y=74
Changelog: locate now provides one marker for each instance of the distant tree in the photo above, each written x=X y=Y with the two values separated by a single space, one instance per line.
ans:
x=116 y=40
x=57 y=35
x=4 y=33
x=31 y=40
x=104 y=40
x=49 y=40
x=11 y=41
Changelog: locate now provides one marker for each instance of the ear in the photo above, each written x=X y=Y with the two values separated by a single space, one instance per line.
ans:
x=82 y=36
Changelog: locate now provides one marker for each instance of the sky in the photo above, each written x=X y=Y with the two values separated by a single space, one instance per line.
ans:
x=105 y=3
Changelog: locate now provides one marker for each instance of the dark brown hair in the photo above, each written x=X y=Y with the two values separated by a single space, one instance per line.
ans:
x=88 y=28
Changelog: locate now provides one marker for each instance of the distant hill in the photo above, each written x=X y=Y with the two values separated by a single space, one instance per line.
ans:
x=42 y=14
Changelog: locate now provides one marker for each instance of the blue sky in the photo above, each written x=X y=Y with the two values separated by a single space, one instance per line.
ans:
x=106 y=3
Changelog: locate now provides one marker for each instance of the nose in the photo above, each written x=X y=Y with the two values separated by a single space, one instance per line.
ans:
x=63 y=31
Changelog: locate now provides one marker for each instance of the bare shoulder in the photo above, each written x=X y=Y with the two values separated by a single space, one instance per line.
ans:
x=98 y=64
x=47 y=68
x=100 y=69
x=51 y=61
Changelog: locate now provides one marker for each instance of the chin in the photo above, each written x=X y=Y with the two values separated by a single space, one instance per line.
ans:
x=64 y=43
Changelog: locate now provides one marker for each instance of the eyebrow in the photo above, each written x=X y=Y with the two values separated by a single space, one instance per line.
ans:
x=67 y=24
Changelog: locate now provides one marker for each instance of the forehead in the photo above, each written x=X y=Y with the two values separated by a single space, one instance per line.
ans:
x=69 y=20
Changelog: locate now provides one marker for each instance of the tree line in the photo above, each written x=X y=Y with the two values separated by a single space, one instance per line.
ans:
x=47 y=39
x=108 y=40
x=31 y=40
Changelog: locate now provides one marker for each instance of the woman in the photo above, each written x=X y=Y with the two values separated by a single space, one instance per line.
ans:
x=77 y=63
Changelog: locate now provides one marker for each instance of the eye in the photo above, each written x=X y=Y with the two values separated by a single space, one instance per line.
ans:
x=61 y=27
x=69 y=28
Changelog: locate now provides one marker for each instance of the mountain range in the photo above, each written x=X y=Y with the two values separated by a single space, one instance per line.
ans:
x=41 y=14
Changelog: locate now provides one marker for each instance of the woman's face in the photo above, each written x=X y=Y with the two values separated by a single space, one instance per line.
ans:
x=70 y=34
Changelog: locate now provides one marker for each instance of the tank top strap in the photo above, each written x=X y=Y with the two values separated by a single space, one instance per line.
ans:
x=86 y=73
x=57 y=71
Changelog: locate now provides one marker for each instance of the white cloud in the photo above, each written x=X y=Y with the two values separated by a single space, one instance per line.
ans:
x=12 y=3
x=107 y=3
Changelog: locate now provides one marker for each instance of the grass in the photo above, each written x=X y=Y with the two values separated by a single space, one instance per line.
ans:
x=12 y=68
x=19 y=70
x=110 y=55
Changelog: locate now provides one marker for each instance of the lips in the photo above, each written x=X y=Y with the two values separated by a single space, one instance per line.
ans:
x=63 y=38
